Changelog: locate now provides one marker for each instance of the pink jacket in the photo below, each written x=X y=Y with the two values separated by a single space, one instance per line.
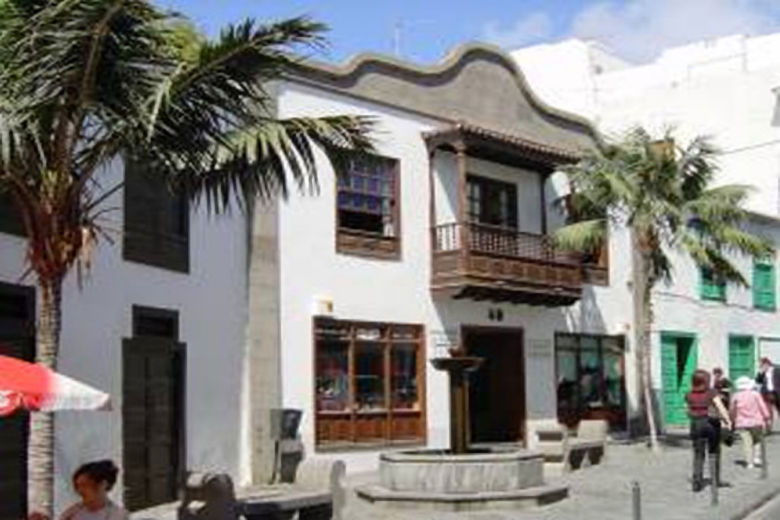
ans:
x=748 y=409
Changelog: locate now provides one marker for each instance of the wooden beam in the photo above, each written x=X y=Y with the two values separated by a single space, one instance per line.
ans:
x=432 y=206
x=543 y=198
x=462 y=213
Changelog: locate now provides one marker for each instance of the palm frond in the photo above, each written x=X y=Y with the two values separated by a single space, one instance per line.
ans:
x=697 y=165
x=585 y=236
x=721 y=204
x=258 y=161
x=225 y=86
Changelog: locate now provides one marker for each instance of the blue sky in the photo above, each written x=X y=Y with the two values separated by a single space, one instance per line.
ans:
x=637 y=29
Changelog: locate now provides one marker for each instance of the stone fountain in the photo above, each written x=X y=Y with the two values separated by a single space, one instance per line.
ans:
x=461 y=478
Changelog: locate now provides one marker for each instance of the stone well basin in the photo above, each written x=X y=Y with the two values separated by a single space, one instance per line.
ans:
x=439 y=472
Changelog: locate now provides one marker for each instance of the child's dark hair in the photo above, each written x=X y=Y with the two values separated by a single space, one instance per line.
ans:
x=99 y=471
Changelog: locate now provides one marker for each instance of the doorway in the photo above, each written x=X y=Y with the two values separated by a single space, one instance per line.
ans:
x=678 y=363
x=153 y=411
x=497 y=388
x=17 y=339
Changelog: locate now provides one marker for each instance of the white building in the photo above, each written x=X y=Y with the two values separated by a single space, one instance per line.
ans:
x=160 y=325
x=335 y=302
x=724 y=88
x=370 y=280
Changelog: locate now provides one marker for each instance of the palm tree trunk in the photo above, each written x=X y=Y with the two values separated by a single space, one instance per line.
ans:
x=40 y=449
x=643 y=321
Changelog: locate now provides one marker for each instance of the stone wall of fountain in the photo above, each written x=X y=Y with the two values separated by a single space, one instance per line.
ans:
x=461 y=478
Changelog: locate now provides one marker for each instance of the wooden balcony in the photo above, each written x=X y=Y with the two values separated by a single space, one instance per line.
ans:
x=503 y=265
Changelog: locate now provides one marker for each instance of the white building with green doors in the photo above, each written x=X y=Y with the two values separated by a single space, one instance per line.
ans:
x=724 y=88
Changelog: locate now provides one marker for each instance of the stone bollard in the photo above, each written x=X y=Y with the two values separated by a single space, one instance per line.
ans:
x=764 y=459
x=208 y=496
x=714 y=481
x=636 y=500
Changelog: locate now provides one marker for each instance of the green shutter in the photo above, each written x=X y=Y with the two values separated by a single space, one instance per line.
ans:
x=669 y=378
x=764 y=286
x=742 y=357
x=712 y=286
x=678 y=362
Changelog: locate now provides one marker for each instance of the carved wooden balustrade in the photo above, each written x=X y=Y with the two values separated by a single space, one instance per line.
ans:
x=503 y=264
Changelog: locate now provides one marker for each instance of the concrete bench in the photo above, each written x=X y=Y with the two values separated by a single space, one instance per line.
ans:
x=317 y=493
x=585 y=447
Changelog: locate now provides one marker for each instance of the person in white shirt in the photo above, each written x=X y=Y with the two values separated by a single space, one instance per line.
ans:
x=92 y=482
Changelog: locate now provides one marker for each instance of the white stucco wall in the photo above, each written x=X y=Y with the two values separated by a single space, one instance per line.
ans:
x=722 y=88
x=398 y=291
x=211 y=301
x=679 y=308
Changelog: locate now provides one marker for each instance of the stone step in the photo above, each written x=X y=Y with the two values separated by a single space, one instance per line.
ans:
x=451 y=502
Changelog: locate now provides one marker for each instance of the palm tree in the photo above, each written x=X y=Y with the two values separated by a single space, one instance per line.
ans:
x=664 y=195
x=86 y=82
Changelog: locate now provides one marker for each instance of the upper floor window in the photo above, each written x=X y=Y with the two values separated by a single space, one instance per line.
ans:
x=10 y=220
x=491 y=202
x=764 y=285
x=368 y=214
x=156 y=230
x=713 y=287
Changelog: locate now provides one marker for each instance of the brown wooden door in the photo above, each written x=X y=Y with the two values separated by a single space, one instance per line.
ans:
x=497 y=388
x=153 y=420
x=17 y=339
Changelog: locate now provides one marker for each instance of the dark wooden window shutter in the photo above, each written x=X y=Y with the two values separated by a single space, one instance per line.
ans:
x=156 y=228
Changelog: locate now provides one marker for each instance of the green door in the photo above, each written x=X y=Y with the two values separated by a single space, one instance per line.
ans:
x=678 y=362
x=742 y=357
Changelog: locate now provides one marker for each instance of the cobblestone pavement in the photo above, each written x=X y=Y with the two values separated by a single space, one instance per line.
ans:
x=603 y=492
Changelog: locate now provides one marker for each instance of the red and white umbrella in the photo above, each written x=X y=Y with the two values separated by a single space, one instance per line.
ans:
x=34 y=387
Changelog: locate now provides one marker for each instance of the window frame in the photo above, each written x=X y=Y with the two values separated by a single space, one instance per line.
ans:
x=710 y=288
x=364 y=243
x=485 y=184
x=580 y=411
x=152 y=247
x=350 y=415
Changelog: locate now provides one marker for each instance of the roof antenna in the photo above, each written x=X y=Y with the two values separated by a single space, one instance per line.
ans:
x=397 y=29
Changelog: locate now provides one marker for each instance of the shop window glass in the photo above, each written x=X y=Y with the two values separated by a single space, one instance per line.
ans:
x=590 y=378
x=403 y=364
x=333 y=376
x=369 y=383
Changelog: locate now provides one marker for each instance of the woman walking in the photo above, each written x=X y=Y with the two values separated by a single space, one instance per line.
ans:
x=750 y=415
x=706 y=411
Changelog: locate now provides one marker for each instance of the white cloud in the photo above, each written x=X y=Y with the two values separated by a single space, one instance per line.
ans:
x=532 y=28
x=639 y=29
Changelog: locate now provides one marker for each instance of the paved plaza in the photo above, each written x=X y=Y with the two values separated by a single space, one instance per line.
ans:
x=604 y=492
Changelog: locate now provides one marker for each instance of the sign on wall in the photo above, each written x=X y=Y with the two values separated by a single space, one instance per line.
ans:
x=442 y=340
